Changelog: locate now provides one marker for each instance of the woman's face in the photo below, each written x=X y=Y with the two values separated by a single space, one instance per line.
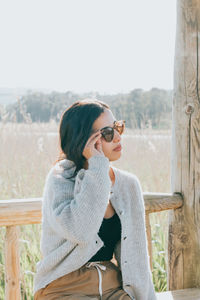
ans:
x=107 y=119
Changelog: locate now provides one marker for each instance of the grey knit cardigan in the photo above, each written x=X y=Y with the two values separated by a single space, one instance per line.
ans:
x=72 y=213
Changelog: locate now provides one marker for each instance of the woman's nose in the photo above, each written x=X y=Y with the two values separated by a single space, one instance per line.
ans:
x=117 y=136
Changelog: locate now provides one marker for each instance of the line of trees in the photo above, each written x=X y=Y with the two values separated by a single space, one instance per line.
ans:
x=139 y=108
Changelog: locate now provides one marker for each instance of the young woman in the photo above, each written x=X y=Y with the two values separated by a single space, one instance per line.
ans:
x=93 y=243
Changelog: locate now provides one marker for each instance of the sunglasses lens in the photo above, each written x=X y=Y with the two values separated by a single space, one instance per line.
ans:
x=108 y=134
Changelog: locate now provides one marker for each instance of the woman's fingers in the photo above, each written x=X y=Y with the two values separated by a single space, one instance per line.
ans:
x=94 y=138
x=93 y=145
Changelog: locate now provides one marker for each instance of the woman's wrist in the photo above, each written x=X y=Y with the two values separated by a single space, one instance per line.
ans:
x=100 y=160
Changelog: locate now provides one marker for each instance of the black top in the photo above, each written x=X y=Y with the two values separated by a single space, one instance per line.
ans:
x=110 y=233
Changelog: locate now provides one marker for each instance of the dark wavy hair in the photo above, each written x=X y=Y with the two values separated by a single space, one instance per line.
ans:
x=75 y=129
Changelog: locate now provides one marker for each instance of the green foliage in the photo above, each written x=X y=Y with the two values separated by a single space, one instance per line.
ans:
x=29 y=256
x=140 y=109
x=159 y=243
x=2 y=263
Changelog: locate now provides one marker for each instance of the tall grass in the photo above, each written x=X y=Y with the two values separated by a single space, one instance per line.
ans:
x=27 y=153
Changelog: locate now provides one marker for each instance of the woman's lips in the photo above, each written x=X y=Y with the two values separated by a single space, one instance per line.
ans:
x=118 y=148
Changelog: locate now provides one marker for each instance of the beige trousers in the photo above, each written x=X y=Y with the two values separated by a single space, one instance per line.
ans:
x=93 y=281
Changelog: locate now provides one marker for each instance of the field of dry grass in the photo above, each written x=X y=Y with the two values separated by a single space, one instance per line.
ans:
x=27 y=153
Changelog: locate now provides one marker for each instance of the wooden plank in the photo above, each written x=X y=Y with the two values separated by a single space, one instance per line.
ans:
x=28 y=211
x=148 y=231
x=20 y=211
x=183 y=294
x=12 y=264
x=155 y=202
x=184 y=223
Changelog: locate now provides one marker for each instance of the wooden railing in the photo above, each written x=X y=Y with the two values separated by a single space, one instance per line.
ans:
x=17 y=212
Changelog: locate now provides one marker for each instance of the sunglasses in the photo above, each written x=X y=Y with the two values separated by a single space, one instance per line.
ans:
x=108 y=132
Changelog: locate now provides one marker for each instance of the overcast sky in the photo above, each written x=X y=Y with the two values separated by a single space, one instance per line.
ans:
x=108 y=46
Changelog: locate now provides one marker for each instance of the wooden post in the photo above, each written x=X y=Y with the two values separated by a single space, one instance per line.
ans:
x=184 y=222
x=148 y=231
x=12 y=265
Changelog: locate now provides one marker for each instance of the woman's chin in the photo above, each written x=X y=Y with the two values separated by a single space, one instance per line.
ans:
x=115 y=156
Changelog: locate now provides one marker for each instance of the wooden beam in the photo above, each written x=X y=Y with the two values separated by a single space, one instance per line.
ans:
x=148 y=231
x=28 y=211
x=155 y=202
x=20 y=211
x=184 y=223
x=186 y=294
x=12 y=264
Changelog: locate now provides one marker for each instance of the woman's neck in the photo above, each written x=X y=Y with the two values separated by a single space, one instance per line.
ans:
x=112 y=175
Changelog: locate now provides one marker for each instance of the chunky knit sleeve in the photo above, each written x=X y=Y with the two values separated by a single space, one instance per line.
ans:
x=78 y=216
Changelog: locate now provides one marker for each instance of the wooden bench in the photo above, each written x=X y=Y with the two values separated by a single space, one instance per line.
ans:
x=185 y=294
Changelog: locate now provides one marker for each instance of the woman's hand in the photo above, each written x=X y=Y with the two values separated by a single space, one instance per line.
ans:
x=93 y=146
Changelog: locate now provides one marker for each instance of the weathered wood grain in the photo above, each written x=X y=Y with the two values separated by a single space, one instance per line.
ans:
x=148 y=231
x=184 y=223
x=184 y=294
x=12 y=264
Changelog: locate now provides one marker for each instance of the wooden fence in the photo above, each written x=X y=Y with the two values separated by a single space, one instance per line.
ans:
x=17 y=212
